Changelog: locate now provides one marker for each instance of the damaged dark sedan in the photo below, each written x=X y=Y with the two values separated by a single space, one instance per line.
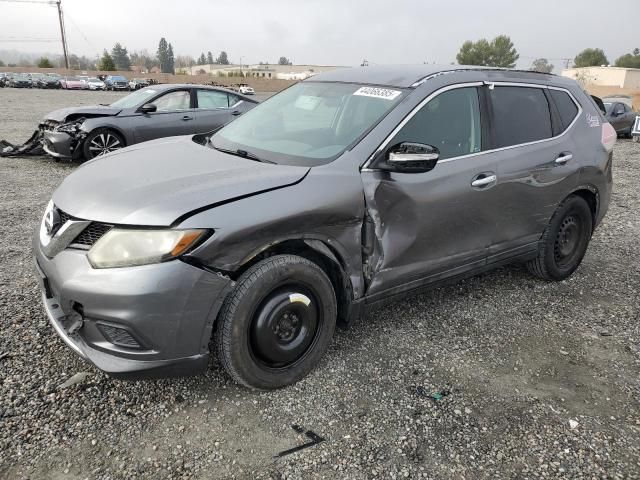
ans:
x=345 y=191
x=147 y=114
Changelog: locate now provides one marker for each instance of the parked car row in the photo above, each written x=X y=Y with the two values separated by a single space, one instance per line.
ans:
x=71 y=82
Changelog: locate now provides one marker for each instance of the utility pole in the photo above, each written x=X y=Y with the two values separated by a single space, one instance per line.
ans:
x=64 y=39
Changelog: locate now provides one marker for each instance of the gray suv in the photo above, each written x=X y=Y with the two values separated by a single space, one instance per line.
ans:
x=350 y=189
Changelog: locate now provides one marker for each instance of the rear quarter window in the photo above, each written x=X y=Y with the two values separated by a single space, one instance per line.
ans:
x=520 y=115
x=566 y=107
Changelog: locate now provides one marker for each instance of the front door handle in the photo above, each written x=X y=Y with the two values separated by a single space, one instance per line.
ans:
x=483 y=180
x=187 y=117
x=235 y=113
x=563 y=158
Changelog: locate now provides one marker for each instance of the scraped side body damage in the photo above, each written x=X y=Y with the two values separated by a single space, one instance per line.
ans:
x=324 y=212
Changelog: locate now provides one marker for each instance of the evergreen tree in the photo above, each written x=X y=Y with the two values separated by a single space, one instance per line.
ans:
x=120 y=57
x=163 y=55
x=106 y=63
x=170 y=60
x=222 y=58
x=209 y=57
x=43 y=63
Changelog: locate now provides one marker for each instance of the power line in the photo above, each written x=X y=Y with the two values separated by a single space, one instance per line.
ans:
x=58 y=4
x=45 y=2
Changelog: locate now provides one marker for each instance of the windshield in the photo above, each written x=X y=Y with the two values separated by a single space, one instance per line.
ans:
x=308 y=124
x=93 y=80
x=134 y=99
x=72 y=79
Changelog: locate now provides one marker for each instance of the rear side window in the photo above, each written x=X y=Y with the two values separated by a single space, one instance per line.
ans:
x=566 y=107
x=520 y=115
x=450 y=122
x=212 y=99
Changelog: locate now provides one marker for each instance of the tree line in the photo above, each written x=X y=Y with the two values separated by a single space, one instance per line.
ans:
x=500 y=52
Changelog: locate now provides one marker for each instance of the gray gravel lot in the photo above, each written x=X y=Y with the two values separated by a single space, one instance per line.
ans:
x=530 y=379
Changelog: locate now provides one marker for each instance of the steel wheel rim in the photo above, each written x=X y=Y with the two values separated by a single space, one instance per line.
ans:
x=283 y=331
x=104 y=143
x=568 y=240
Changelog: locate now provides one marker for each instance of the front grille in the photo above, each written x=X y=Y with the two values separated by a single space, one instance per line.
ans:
x=91 y=234
x=64 y=217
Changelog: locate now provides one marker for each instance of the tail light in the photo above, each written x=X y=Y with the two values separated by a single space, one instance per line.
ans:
x=609 y=136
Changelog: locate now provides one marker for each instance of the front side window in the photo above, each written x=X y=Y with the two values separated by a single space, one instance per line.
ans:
x=450 y=122
x=520 y=115
x=212 y=99
x=310 y=123
x=137 y=98
x=172 y=101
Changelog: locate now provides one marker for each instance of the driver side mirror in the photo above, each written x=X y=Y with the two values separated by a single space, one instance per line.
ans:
x=148 y=108
x=409 y=157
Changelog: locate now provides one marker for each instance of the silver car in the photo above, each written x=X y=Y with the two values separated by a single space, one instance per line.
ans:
x=351 y=189
x=147 y=114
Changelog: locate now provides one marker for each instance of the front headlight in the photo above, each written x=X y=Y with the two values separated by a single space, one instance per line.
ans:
x=127 y=248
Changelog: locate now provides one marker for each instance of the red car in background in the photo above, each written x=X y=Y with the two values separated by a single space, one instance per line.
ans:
x=72 y=83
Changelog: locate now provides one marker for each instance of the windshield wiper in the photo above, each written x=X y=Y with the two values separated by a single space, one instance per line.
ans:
x=243 y=153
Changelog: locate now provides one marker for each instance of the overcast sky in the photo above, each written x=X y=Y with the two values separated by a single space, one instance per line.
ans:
x=327 y=32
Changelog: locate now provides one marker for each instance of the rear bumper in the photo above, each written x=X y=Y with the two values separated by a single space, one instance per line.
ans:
x=167 y=309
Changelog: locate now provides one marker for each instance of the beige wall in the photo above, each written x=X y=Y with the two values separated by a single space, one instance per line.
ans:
x=605 y=76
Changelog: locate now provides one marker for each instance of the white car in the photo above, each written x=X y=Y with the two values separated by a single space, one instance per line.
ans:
x=95 y=83
x=246 y=90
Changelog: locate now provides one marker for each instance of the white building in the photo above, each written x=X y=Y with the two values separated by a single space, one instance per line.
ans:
x=285 y=72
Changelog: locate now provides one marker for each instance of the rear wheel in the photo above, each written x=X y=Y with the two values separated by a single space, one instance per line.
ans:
x=277 y=322
x=564 y=241
x=100 y=142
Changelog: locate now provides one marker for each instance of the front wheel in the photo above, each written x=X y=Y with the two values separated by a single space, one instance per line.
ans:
x=277 y=322
x=565 y=240
x=100 y=142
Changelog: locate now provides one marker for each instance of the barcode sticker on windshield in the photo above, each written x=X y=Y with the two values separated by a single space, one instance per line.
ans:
x=377 y=92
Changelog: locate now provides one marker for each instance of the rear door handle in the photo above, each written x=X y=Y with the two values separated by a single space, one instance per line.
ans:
x=483 y=180
x=187 y=117
x=235 y=113
x=563 y=158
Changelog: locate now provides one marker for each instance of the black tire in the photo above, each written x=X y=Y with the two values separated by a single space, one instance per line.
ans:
x=112 y=140
x=564 y=241
x=267 y=339
x=636 y=138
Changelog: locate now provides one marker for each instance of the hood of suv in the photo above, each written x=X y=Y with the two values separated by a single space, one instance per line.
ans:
x=155 y=183
x=94 y=111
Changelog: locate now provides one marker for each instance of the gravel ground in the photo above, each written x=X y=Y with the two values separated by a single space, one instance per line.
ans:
x=499 y=376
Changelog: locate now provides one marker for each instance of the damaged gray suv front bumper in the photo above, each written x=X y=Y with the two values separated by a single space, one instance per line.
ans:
x=133 y=322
